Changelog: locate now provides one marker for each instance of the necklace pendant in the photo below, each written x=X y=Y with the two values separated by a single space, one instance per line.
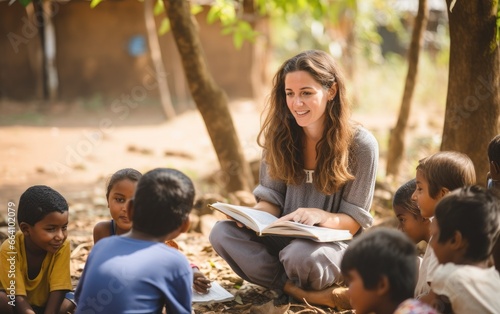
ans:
x=309 y=176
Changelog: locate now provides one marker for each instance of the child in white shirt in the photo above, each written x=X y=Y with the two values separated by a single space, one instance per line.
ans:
x=465 y=228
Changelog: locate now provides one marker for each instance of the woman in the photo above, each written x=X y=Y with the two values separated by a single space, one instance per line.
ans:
x=318 y=168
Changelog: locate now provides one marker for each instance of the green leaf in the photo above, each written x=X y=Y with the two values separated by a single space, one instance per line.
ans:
x=159 y=8
x=196 y=8
x=244 y=27
x=164 y=27
x=25 y=2
x=227 y=30
x=94 y=3
x=238 y=40
x=213 y=14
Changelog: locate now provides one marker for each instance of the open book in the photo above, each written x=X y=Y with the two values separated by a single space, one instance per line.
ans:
x=216 y=293
x=265 y=224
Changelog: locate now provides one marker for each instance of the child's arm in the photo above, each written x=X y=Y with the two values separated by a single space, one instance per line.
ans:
x=23 y=306
x=16 y=278
x=101 y=230
x=200 y=283
x=59 y=279
x=54 y=301
x=438 y=302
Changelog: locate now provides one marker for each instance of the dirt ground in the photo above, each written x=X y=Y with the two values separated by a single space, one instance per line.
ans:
x=75 y=151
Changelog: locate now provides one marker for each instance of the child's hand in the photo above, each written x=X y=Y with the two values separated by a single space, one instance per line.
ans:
x=200 y=283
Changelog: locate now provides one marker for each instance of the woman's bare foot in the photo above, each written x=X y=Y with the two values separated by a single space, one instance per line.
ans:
x=333 y=296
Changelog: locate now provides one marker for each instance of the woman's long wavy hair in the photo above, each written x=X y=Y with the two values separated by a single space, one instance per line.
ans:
x=282 y=138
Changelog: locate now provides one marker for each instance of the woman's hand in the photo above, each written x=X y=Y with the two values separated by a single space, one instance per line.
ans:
x=307 y=216
x=239 y=224
x=321 y=218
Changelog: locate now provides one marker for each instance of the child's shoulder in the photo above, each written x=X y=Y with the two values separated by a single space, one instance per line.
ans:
x=12 y=242
x=103 y=229
x=459 y=272
x=150 y=249
x=104 y=224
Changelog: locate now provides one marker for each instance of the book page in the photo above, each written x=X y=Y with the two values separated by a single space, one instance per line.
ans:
x=265 y=224
x=216 y=294
x=319 y=234
x=242 y=213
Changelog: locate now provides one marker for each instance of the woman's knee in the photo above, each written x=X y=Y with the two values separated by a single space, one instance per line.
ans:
x=221 y=231
x=297 y=251
x=310 y=257
x=217 y=232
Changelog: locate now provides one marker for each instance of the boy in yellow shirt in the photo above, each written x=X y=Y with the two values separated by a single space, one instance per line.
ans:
x=34 y=262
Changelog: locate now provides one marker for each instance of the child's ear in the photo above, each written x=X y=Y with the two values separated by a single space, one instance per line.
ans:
x=383 y=286
x=25 y=228
x=443 y=192
x=185 y=225
x=495 y=169
x=457 y=241
x=425 y=220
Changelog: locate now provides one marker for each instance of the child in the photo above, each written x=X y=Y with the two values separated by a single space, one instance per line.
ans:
x=465 y=228
x=119 y=192
x=494 y=183
x=436 y=176
x=380 y=269
x=410 y=221
x=137 y=270
x=35 y=275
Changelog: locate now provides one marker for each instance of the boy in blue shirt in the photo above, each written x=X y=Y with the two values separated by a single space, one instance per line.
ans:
x=137 y=272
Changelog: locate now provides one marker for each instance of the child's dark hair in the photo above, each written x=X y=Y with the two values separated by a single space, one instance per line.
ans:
x=163 y=200
x=402 y=198
x=122 y=174
x=447 y=169
x=494 y=149
x=37 y=202
x=384 y=252
x=475 y=213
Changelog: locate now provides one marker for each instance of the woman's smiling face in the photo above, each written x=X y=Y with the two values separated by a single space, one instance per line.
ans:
x=306 y=99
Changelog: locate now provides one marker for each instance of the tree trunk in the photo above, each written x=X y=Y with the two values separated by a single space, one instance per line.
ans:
x=212 y=102
x=397 y=137
x=35 y=55
x=347 y=22
x=50 y=52
x=40 y=23
x=261 y=53
x=473 y=99
x=154 y=47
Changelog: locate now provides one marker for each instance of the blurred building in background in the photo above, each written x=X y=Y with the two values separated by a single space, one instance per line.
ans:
x=103 y=52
